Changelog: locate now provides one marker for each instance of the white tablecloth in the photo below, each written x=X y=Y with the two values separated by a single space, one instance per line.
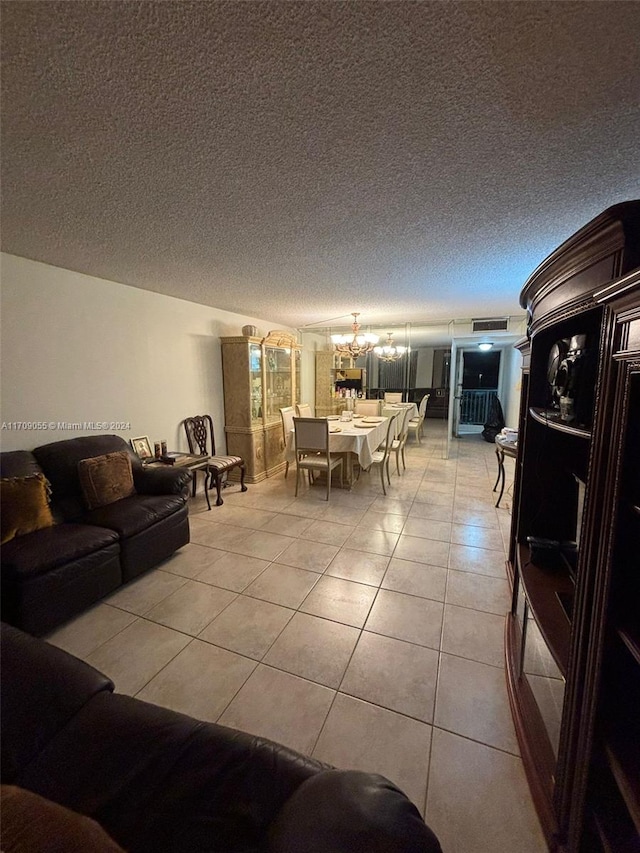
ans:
x=350 y=439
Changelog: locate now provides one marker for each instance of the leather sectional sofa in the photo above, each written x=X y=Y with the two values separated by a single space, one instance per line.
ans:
x=54 y=573
x=155 y=780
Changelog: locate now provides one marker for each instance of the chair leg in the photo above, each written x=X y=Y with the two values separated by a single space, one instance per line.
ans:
x=218 y=482
x=382 y=475
x=328 y=480
x=403 y=459
x=297 y=479
x=286 y=470
x=243 y=488
x=207 y=476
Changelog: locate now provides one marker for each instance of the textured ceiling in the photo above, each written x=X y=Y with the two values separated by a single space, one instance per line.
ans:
x=302 y=160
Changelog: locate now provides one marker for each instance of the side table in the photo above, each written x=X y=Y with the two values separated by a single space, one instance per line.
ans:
x=503 y=448
x=192 y=463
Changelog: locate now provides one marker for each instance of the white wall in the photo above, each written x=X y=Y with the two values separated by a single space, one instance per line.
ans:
x=78 y=349
x=512 y=361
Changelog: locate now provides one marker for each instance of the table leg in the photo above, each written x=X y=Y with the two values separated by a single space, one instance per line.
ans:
x=500 y=454
x=498 y=477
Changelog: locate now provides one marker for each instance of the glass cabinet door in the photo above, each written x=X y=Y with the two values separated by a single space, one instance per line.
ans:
x=545 y=680
x=278 y=382
x=255 y=371
x=296 y=367
x=540 y=671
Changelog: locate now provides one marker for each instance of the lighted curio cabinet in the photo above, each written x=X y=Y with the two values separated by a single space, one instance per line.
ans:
x=331 y=366
x=260 y=376
x=573 y=632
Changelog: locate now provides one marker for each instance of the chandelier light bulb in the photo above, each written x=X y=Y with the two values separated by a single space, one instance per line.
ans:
x=390 y=351
x=355 y=344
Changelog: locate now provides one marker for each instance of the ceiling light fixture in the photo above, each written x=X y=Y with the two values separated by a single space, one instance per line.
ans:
x=390 y=351
x=356 y=344
x=485 y=346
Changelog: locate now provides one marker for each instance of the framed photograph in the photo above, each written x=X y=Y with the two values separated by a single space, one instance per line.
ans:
x=142 y=447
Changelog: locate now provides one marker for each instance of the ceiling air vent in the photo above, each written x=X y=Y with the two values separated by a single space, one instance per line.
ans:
x=493 y=325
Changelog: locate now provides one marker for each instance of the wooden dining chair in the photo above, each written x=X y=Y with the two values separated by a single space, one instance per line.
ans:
x=312 y=449
x=393 y=397
x=380 y=457
x=367 y=407
x=202 y=442
x=287 y=414
x=303 y=410
x=416 y=424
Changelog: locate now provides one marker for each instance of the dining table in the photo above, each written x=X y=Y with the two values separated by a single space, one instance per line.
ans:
x=390 y=409
x=354 y=440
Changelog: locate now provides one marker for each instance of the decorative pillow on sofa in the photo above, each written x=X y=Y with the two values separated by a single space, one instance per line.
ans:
x=31 y=823
x=106 y=479
x=25 y=505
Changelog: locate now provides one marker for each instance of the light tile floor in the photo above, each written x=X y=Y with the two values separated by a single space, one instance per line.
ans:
x=367 y=632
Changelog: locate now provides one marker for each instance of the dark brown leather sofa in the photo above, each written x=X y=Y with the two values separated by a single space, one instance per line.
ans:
x=158 y=781
x=52 y=574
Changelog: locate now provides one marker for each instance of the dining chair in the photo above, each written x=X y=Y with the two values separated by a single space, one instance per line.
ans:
x=202 y=442
x=401 y=440
x=380 y=457
x=367 y=407
x=392 y=397
x=287 y=414
x=303 y=410
x=416 y=424
x=312 y=449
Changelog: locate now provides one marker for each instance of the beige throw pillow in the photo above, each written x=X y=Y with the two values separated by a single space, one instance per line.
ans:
x=106 y=479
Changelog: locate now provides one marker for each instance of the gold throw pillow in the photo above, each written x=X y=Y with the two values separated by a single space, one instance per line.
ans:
x=31 y=823
x=25 y=505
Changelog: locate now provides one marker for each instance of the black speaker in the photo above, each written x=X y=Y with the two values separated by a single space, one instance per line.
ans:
x=571 y=375
x=557 y=355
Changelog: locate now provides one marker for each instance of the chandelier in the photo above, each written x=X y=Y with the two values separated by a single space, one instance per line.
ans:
x=389 y=351
x=356 y=344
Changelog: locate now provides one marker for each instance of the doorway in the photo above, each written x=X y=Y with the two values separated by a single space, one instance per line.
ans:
x=477 y=383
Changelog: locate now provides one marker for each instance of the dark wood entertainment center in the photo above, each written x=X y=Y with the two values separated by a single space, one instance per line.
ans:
x=573 y=633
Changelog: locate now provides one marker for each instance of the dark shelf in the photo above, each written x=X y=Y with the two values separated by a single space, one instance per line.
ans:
x=551 y=419
x=631 y=641
x=545 y=589
x=623 y=757
x=611 y=836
